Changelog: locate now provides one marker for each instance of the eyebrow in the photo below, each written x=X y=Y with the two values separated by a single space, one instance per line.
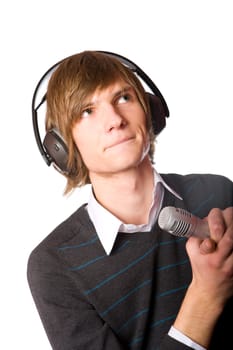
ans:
x=116 y=94
x=122 y=91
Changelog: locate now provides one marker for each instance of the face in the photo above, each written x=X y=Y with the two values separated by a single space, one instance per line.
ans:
x=111 y=133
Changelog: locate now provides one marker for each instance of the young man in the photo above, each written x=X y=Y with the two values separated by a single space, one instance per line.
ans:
x=108 y=277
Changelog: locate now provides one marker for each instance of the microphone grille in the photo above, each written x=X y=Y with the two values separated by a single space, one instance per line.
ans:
x=175 y=220
x=164 y=220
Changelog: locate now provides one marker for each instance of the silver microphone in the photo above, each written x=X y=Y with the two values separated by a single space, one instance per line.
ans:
x=180 y=222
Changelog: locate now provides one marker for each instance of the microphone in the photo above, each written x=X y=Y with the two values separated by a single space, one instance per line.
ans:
x=180 y=222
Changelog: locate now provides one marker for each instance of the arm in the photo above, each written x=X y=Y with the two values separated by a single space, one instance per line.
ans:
x=212 y=282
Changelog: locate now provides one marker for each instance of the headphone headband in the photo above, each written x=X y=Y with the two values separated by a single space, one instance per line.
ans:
x=53 y=148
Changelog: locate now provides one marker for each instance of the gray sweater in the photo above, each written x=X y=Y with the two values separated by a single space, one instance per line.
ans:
x=88 y=300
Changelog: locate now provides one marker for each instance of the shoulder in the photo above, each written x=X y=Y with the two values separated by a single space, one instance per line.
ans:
x=70 y=231
x=198 y=180
x=202 y=190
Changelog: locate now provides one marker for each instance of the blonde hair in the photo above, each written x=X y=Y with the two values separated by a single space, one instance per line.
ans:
x=76 y=78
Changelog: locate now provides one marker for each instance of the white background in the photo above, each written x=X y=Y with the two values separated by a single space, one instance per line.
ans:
x=184 y=46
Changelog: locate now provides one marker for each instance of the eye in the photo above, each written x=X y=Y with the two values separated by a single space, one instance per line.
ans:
x=124 y=98
x=86 y=112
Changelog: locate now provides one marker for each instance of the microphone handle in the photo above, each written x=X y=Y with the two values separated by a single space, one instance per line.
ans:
x=197 y=228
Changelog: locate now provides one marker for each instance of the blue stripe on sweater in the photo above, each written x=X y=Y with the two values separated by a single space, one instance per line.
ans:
x=126 y=268
x=137 y=340
x=81 y=245
x=133 y=263
x=138 y=314
x=145 y=283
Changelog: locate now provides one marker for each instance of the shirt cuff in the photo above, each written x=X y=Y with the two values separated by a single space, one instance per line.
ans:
x=174 y=333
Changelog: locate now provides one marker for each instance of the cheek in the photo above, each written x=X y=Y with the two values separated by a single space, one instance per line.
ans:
x=80 y=135
x=142 y=119
x=143 y=126
x=86 y=144
x=83 y=145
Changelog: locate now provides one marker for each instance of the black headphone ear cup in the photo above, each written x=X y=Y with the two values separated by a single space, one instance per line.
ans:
x=158 y=114
x=57 y=150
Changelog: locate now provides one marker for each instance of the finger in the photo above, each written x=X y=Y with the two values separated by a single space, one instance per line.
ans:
x=207 y=246
x=228 y=216
x=216 y=224
x=226 y=243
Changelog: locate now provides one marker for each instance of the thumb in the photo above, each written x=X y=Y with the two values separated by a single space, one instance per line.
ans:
x=207 y=246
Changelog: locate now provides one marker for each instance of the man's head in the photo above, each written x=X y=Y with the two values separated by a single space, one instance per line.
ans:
x=75 y=80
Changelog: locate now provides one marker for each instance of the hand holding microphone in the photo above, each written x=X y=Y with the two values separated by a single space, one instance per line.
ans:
x=180 y=222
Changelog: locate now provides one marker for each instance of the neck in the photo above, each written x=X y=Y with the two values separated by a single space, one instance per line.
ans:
x=127 y=195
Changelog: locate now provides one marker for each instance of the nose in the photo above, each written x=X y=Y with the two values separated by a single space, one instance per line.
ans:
x=113 y=119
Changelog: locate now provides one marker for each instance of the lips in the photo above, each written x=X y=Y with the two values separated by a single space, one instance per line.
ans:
x=119 y=142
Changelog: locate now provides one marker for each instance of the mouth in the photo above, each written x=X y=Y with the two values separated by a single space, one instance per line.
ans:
x=119 y=143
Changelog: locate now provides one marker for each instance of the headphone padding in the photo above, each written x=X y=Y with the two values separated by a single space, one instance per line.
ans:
x=158 y=114
x=57 y=149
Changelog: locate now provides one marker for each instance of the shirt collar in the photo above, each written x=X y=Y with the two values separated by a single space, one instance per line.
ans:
x=107 y=225
x=158 y=178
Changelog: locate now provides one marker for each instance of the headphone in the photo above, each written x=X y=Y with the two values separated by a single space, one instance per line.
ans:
x=53 y=147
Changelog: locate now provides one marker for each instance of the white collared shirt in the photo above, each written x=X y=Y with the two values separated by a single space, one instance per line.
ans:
x=107 y=225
